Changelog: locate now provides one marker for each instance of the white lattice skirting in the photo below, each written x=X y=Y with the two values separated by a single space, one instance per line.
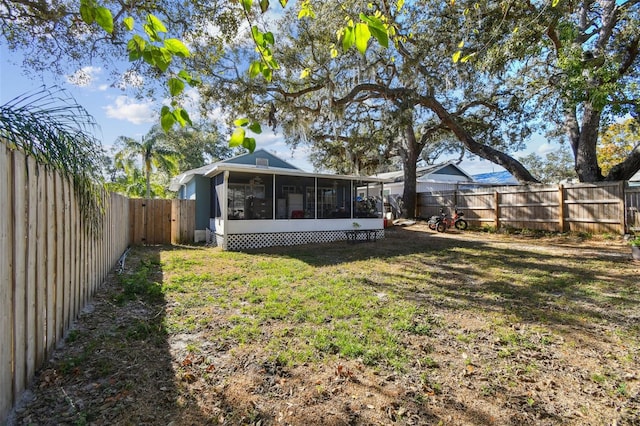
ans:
x=250 y=241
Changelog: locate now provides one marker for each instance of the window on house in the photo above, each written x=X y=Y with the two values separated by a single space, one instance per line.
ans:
x=250 y=196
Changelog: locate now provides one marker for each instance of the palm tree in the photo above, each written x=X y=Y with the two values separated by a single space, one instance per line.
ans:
x=151 y=151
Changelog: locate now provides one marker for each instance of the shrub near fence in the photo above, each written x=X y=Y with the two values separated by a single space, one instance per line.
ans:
x=50 y=264
x=593 y=208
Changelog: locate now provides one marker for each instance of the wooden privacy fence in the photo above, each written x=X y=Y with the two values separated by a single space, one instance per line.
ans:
x=593 y=208
x=50 y=264
x=161 y=221
x=632 y=208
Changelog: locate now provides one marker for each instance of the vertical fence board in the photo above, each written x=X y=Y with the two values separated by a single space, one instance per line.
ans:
x=594 y=208
x=175 y=221
x=51 y=273
x=632 y=209
x=60 y=249
x=41 y=267
x=75 y=242
x=6 y=280
x=153 y=221
x=19 y=273
x=32 y=194
x=68 y=250
x=83 y=260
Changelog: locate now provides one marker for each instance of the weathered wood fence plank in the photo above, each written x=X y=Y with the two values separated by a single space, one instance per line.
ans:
x=593 y=208
x=49 y=267
x=6 y=281
x=51 y=263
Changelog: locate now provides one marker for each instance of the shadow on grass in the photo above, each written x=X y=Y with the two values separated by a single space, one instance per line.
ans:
x=574 y=289
x=116 y=365
x=122 y=366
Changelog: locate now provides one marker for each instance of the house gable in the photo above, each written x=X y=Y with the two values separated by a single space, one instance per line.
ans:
x=260 y=158
x=451 y=170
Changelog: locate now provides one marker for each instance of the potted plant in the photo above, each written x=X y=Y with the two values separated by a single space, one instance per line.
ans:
x=635 y=247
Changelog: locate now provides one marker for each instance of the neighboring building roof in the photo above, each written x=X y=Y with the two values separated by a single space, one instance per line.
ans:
x=496 y=178
x=428 y=173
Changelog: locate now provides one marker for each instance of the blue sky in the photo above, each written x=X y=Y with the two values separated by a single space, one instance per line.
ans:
x=119 y=114
x=116 y=113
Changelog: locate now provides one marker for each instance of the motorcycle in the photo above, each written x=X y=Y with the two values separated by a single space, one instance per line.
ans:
x=443 y=222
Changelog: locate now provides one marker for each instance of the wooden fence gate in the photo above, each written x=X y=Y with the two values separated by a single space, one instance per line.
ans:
x=161 y=221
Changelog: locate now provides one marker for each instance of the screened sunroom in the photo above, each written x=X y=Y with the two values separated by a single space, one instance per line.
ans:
x=265 y=204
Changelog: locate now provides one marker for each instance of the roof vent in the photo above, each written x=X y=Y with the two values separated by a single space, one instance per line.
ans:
x=262 y=162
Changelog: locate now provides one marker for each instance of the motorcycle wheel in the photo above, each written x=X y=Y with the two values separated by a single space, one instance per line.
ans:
x=432 y=226
x=462 y=224
x=441 y=227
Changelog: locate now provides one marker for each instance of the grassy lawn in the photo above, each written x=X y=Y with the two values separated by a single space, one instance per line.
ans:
x=417 y=328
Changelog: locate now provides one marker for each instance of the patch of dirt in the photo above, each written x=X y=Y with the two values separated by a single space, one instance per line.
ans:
x=119 y=366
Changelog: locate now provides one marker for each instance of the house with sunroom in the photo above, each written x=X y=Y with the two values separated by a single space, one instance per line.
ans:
x=259 y=200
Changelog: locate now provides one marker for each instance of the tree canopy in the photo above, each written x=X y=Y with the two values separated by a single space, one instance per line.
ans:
x=361 y=110
x=390 y=79
x=555 y=167
x=576 y=62
x=617 y=142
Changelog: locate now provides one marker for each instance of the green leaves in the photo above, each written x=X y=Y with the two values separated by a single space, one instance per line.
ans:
x=169 y=117
x=267 y=63
x=377 y=29
x=239 y=135
x=264 y=5
x=360 y=33
x=246 y=5
x=104 y=19
x=306 y=11
x=176 y=47
x=176 y=86
x=90 y=12
x=153 y=27
x=155 y=50
x=348 y=38
x=128 y=23
x=159 y=53
x=457 y=56
x=362 y=36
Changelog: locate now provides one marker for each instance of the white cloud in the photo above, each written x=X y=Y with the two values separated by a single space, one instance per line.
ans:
x=275 y=144
x=85 y=77
x=128 y=109
x=546 y=148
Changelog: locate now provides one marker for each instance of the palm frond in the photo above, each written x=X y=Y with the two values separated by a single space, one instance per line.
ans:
x=51 y=126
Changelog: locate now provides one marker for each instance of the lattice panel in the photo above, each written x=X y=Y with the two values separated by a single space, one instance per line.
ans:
x=249 y=241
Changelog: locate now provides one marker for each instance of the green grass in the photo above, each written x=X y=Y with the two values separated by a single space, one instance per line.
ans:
x=306 y=304
x=326 y=313
x=427 y=317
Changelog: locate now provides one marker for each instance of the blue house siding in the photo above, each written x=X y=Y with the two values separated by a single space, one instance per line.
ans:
x=201 y=187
